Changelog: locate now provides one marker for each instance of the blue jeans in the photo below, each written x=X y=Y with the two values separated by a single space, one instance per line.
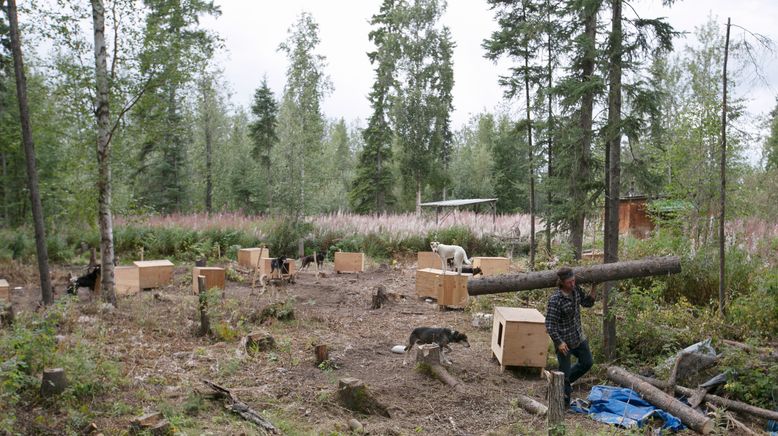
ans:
x=584 y=356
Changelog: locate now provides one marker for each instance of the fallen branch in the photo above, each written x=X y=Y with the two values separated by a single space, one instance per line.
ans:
x=430 y=355
x=232 y=403
x=733 y=405
x=690 y=417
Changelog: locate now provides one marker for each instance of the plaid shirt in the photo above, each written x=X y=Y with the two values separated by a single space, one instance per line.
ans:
x=563 y=317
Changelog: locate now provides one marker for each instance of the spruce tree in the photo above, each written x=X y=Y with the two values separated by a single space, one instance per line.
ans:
x=263 y=133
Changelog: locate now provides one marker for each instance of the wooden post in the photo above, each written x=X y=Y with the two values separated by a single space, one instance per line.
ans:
x=555 y=417
x=205 y=325
x=322 y=355
x=584 y=274
x=54 y=382
x=690 y=417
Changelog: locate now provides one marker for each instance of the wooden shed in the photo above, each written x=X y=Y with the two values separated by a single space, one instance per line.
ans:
x=633 y=217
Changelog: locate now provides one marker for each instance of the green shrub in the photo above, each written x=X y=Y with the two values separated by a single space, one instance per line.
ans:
x=756 y=313
x=285 y=234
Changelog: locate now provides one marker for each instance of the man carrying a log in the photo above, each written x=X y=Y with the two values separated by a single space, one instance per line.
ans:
x=563 y=324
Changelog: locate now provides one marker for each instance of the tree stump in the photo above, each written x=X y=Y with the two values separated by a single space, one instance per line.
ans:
x=322 y=355
x=380 y=298
x=555 y=416
x=153 y=423
x=53 y=382
x=353 y=394
x=430 y=355
x=259 y=341
x=6 y=314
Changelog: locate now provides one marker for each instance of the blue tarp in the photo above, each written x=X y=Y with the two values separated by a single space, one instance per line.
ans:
x=624 y=407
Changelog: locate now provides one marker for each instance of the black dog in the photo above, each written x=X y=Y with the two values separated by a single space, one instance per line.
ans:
x=440 y=336
x=88 y=280
x=307 y=260
x=467 y=269
x=279 y=264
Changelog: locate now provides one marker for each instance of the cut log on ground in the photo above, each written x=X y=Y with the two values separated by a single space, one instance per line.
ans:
x=53 y=382
x=736 y=406
x=555 y=417
x=354 y=395
x=532 y=406
x=232 y=403
x=585 y=274
x=690 y=417
x=431 y=355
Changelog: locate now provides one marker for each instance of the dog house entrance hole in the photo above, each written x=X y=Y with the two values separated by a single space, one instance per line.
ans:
x=499 y=336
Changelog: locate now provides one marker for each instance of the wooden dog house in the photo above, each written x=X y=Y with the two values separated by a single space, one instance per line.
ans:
x=143 y=274
x=349 y=262
x=265 y=267
x=249 y=257
x=449 y=288
x=5 y=291
x=633 y=217
x=427 y=259
x=492 y=266
x=214 y=277
x=519 y=337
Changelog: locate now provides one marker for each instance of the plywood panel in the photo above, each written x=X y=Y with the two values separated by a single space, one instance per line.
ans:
x=214 y=277
x=523 y=340
x=491 y=266
x=5 y=291
x=427 y=259
x=428 y=282
x=349 y=262
x=249 y=257
x=454 y=291
x=154 y=273
x=126 y=280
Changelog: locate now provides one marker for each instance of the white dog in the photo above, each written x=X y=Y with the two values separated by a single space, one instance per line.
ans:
x=450 y=252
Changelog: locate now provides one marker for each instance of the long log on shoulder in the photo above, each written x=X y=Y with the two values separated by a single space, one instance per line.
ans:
x=606 y=272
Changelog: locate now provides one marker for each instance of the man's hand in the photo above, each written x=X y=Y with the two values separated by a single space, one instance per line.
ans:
x=563 y=348
x=593 y=292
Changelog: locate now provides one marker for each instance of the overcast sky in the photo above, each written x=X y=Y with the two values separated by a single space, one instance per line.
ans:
x=252 y=31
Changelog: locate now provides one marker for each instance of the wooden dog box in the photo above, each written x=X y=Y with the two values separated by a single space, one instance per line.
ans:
x=249 y=257
x=154 y=273
x=126 y=280
x=214 y=277
x=491 y=266
x=519 y=337
x=449 y=288
x=265 y=268
x=427 y=259
x=349 y=262
x=5 y=291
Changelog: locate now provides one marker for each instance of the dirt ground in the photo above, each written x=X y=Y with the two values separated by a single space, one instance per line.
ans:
x=163 y=361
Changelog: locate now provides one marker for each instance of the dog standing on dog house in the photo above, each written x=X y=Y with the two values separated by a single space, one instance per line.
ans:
x=454 y=252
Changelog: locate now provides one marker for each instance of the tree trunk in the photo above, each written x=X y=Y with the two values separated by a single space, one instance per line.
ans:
x=418 y=196
x=550 y=129
x=208 y=130
x=732 y=405
x=530 y=164
x=612 y=175
x=29 y=154
x=205 y=323
x=585 y=274
x=723 y=192
x=581 y=170
x=103 y=155
x=380 y=197
x=690 y=417
x=4 y=168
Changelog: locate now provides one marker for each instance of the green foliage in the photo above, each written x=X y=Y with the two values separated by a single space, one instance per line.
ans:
x=755 y=311
x=282 y=311
x=752 y=379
